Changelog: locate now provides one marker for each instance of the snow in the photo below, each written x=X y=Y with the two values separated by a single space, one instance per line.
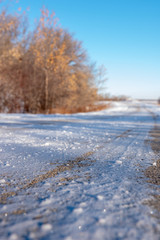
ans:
x=79 y=176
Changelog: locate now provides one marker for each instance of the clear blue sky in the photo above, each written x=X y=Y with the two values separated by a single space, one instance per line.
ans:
x=124 y=35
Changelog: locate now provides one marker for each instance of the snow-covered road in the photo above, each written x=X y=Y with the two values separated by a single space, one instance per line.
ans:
x=84 y=176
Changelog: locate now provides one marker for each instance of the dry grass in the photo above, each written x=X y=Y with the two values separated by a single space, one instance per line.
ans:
x=89 y=108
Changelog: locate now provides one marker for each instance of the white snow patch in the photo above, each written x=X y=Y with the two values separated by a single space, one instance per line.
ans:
x=2 y=181
x=83 y=204
x=47 y=201
x=119 y=162
x=13 y=237
x=46 y=227
x=100 y=197
x=78 y=210
x=102 y=221
x=68 y=238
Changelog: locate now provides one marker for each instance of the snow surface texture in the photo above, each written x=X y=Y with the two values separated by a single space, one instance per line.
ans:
x=79 y=176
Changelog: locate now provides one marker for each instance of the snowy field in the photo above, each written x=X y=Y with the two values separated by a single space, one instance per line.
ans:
x=81 y=176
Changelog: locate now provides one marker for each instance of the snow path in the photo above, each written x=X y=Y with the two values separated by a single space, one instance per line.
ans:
x=80 y=176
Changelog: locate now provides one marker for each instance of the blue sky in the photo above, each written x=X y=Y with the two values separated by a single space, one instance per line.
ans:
x=123 y=35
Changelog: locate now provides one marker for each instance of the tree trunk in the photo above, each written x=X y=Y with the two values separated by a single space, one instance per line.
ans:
x=46 y=91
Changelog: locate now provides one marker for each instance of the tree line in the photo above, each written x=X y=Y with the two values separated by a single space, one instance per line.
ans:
x=45 y=70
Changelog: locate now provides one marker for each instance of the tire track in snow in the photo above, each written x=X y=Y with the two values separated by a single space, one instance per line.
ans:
x=68 y=166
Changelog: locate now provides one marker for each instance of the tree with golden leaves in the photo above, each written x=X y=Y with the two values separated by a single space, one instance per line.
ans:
x=48 y=70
